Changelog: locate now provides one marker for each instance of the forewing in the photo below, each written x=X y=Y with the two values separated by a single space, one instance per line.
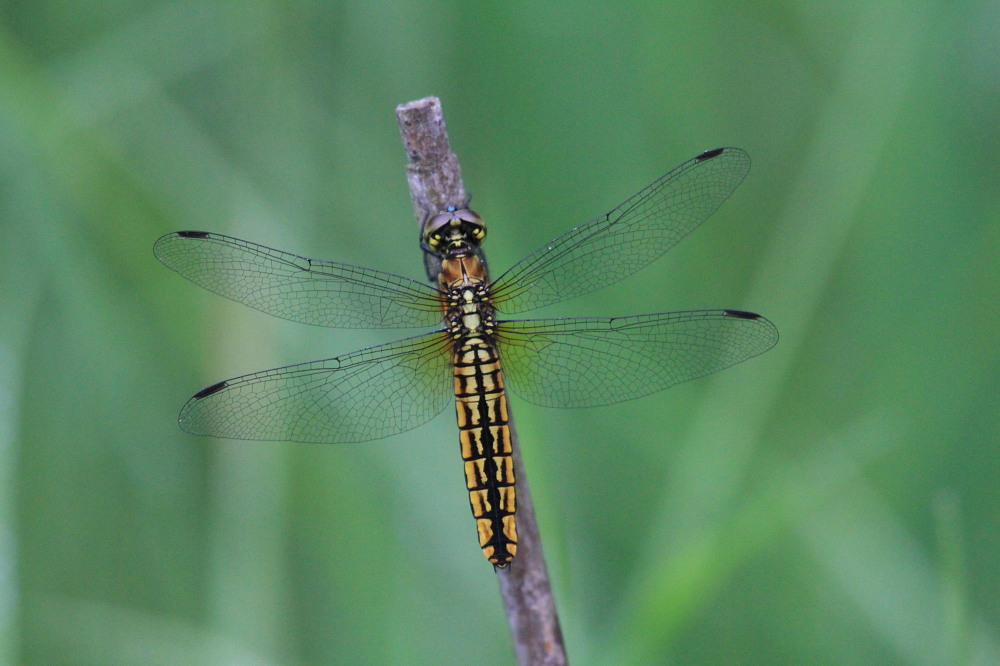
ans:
x=322 y=293
x=365 y=395
x=626 y=239
x=588 y=362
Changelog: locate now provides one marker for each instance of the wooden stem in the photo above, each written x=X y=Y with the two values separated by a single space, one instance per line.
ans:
x=432 y=170
x=435 y=183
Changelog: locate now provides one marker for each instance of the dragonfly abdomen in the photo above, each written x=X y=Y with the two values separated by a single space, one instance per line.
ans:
x=481 y=406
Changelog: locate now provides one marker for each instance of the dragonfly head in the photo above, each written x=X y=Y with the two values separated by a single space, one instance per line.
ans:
x=454 y=232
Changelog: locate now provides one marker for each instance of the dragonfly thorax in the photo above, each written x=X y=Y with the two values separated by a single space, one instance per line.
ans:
x=470 y=313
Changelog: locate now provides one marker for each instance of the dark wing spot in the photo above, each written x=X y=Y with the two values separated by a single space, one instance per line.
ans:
x=205 y=392
x=741 y=314
x=193 y=234
x=709 y=154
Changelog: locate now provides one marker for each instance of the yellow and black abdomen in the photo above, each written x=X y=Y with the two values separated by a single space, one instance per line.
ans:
x=481 y=406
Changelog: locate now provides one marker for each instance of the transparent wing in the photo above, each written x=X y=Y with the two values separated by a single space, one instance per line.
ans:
x=599 y=361
x=628 y=238
x=322 y=293
x=368 y=394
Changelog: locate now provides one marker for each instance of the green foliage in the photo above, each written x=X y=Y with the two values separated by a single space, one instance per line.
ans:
x=834 y=501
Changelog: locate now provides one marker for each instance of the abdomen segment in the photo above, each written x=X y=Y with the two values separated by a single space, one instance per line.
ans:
x=481 y=406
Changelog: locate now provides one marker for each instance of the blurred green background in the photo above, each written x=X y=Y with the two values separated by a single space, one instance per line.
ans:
x=833 y=501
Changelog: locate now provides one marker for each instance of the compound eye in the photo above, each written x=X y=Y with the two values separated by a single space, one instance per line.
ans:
x=469 y=216
x=433 y=227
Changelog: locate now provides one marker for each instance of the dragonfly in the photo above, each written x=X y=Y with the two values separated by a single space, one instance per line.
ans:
x=474 y=352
